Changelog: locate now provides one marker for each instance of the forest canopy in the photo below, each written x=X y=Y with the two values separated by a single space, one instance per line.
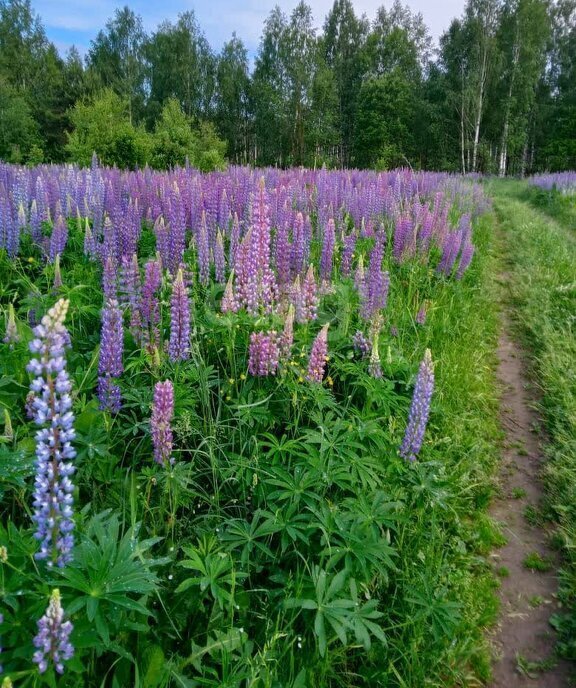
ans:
x=498 y=95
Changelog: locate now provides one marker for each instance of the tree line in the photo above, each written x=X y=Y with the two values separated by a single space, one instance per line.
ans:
x=498 y=95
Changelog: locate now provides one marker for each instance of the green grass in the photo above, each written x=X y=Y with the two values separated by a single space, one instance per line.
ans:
x=536 y=562
x=542 y=260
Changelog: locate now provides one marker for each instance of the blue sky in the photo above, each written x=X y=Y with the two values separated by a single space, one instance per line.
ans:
x=76 y=22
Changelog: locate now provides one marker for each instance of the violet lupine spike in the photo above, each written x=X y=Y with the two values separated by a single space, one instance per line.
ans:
x=318 y=356
x=204 y=252
x=110 y=364
x=419 y=409
x=234 y=240
x=287 y=337
x=298 y=245
x=219 y=259
x=52 y=642
x=362 y=345
x=52 y=404
x=89 y=242
x=11 y=335
x=349 y=244
x=466 y=256
x=328 y=251
x=131 y=288
x=179 y=346
x=263 y=354
x=110 y=279
x=57 y=283
x=374 y=291
x=402 y=236
x=310 y=300
x=283 y=256
x=421 y=316
x=160 y=422
x=58 y=238
x=229 y=304
x=149 y=304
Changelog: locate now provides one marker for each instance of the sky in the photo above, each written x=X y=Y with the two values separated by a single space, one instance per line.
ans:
x=76 y=22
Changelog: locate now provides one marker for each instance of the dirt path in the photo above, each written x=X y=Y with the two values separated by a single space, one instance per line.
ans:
x=524 y=640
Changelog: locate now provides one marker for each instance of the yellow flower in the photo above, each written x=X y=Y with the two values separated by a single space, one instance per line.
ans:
x=30 y=259
x=228 y=397
x=231 y=381
x=242 y=376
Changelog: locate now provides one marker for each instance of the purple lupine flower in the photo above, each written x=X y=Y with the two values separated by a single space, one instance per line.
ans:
x=298 y=245
x=287 y=337
x=35 y=223
x=53 y=638
x=130 y=292
x=52 y=405
x=229 y=304
x=160 y=422
x=402 y=236
x=256 y=287
x=465 y=258
x=308 y=302
x=110 y=279
x=149 y=304
x=318 y=356
x=283 y=255
x=450 y=248
x=179 y=346
x=58 y=238
x=204 y=252
x=234 y=240
x=264 y=353
x=110 y=363
x=11 y=335
x=89 y=242
x=327 y=251
x=419 y=410
x=349 y=244
x=220 y=258
x=421 y=316
x=57 y=283
x=361 y=344
x=374 y=290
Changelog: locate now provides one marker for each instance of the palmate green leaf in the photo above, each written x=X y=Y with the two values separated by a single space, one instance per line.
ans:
x=107 y=573
x=219 y=642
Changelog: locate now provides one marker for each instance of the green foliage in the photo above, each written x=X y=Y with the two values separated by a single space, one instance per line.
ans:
x=19 y=136
x=102 y=126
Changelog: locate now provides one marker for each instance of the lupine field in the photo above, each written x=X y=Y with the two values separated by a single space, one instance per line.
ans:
x=247 y=431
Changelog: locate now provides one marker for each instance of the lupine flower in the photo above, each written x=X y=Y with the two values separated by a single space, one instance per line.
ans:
x=11 y=335
x=349 y=244
x=229 y=304
x=160 y=422
x=110 y=279
x=58 y=238
x=110 y=363
x=421 y=316
x=374 y=290
x=374 y=367
x=179 y=346
x=318 y=356
x=287 y=338
x=52 y=409
x=419 y=410
x=327 y=251
x=89 y=241
x=149 y=305
x=465 y=258
x=361 y=344
x=57 y=283
x=309 y=299
x=204 y=252
x=264 y=353
x=220 y=259
x=53 y=638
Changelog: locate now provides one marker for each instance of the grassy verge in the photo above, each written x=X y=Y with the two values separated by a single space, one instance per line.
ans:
x=542 y=257
x=559 y=206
